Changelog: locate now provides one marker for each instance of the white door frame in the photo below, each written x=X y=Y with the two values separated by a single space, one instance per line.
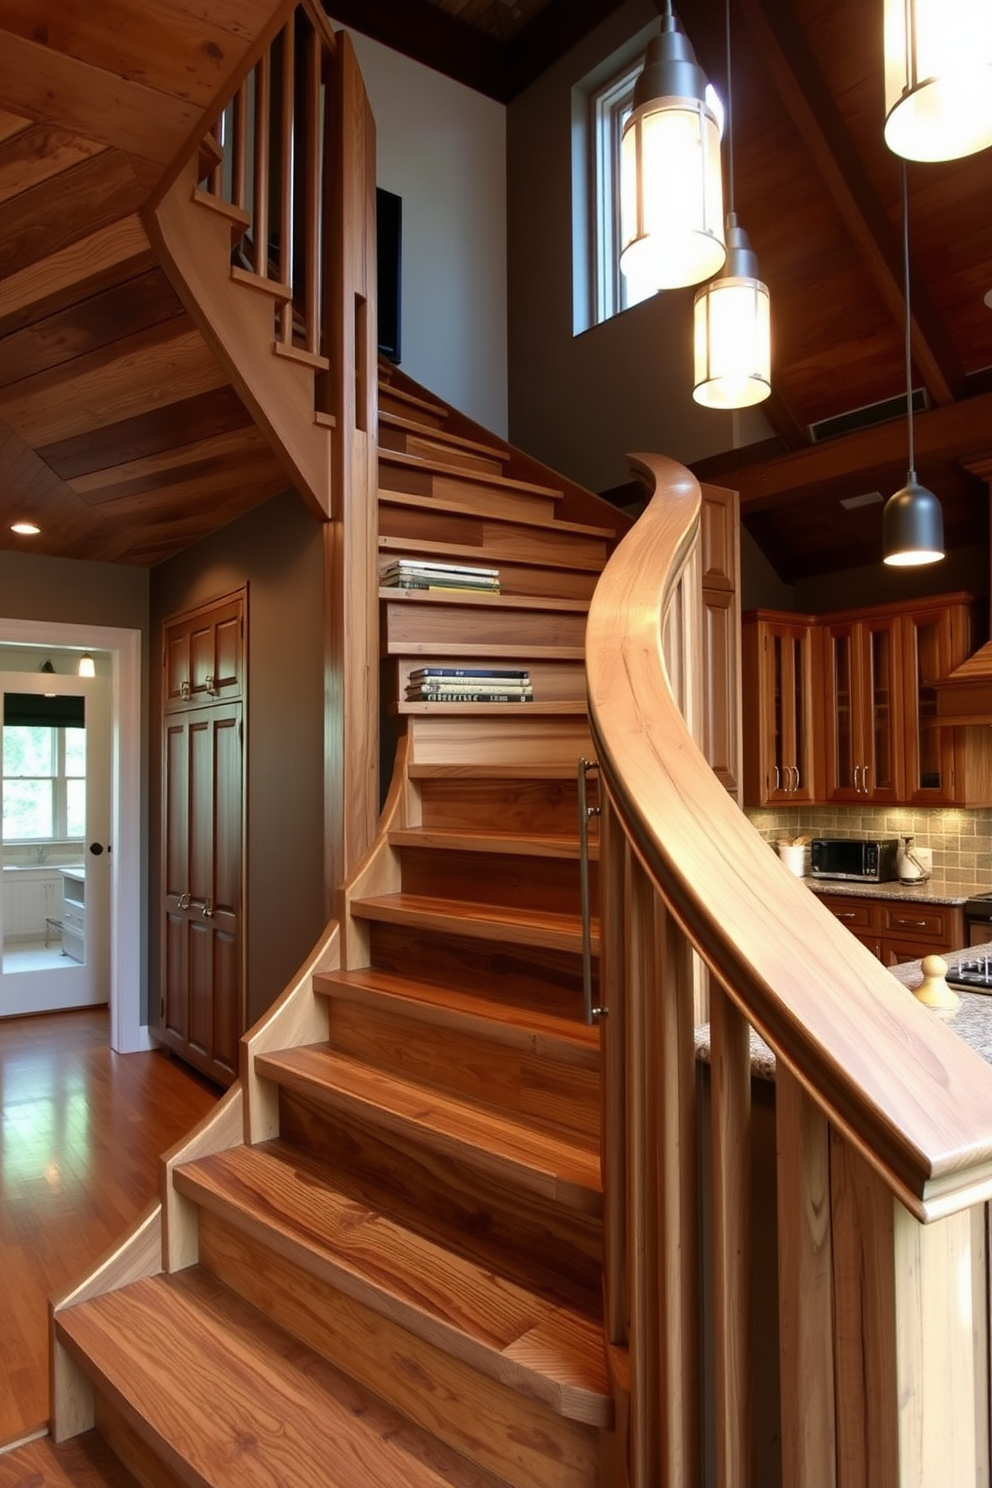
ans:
x=128 y=878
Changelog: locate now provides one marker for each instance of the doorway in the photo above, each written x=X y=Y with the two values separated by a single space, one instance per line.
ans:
x=127 y=879
x=55 y=836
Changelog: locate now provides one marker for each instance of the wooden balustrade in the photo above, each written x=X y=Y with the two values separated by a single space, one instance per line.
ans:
x=271 y=145
x=860 y=1357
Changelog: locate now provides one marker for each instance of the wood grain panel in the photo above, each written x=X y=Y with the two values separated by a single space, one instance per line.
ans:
x=98 y=321
x=187 y=420
x=52 y=88
x=84 y=1462
x=247 y=441
x=37 y=153
x=187 y=483
x=180 y=50
x=11 y=124
x=66 y=208
x=93 y=263
x=160 y=366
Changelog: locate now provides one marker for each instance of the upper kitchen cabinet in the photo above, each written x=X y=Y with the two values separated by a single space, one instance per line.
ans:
x=204 y=654
x=860 y=693
x=934 y=641
x=778 y=724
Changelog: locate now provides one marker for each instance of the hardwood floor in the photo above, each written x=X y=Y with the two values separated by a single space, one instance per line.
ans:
x=81 y=1134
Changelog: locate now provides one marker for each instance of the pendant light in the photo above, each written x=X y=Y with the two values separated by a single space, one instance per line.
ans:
x=671 y=188
x=938 y=78
x=732 y=314
x=87 y=666
x=912 y=522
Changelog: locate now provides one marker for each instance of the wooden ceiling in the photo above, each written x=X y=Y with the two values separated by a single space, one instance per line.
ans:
x=119 y=435
x=117 y=426
x=821 y=198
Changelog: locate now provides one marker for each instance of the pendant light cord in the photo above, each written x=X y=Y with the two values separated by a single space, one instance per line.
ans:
x=730 y=114
x=909 y=362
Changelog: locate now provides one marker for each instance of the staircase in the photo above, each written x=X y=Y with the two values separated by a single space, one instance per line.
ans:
x=400 y=1282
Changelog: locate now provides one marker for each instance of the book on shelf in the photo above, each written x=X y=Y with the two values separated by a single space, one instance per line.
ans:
x=425 y=694
x=449 y=586
x=446 y=673
x=469 y=684
x=425 y=565
x=470 y=697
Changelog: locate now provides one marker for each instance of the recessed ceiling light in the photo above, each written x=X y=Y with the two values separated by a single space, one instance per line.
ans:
x=26 y=529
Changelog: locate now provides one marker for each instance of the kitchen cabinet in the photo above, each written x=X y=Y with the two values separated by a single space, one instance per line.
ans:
x=870 y=735
x=778 y=728
x=896 y=931
x=203 y=654
x=861 y=695
x=73 y=913
x=30 y=897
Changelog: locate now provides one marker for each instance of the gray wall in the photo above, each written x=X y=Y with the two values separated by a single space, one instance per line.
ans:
x=582 y=402
x=278 y=551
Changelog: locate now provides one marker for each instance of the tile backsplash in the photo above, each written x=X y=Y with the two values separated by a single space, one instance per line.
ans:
x=961 y=840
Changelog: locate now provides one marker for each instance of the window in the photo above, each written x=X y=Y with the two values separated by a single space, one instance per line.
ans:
x=44 y=783
x=610 y=106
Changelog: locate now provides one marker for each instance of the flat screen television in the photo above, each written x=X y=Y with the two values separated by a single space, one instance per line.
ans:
x=389 y=244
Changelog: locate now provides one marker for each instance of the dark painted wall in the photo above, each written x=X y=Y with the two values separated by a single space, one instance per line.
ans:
x=277 y=551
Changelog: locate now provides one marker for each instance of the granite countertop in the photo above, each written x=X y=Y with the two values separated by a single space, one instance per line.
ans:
x=933 y=891
x=972 y=1020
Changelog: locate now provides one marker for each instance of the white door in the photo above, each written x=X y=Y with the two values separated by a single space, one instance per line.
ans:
x=55 y=839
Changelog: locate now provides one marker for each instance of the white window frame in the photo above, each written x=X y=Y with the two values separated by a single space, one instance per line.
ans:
x=609 y=108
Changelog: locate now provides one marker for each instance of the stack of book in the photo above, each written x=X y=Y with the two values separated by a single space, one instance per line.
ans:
x=418 y=573
x=469 y=685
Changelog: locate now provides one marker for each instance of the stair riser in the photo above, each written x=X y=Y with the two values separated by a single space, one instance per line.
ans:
x=474 y=496
x=133 y=1451
x=392 y=401
x=487 y=878
x=512 y=539
x=520 y=1440
x=407 y=623
x=406 y=442
x=544 y=979
x=493 y=1220
x=538 y=806
x=526 y=1084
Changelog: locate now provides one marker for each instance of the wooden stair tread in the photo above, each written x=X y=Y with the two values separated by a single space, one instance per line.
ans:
x=457 y=551
x=497 y=710
x=518 y=518
x=471 y=477
x=482 y=598
x=278 y=1196
x=512 y=770
x=505 y=651
x=82 y=1462
x=489 y=921
x=442 y=436
x=424 y=405
x=523 y=1027
x=516 y=844
x=550 y=1164
x=227 y=1397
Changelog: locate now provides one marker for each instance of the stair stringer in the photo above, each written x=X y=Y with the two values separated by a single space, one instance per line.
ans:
x=193 y=244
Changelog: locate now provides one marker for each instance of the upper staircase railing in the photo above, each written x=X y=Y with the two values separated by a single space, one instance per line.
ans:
x=833 y=1238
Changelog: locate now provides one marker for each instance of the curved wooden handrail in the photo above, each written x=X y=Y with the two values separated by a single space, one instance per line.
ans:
x=914 y=1099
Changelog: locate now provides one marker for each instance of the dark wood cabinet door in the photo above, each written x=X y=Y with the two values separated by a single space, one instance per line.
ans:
x=203 y=654
x=202 y=1012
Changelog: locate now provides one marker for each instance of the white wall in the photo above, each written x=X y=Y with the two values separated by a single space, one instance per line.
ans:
x=581 y=402
x=442 y=148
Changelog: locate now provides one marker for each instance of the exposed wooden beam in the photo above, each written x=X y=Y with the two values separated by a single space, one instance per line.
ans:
x=429 y=35
x=812 y=109
x=956 y=431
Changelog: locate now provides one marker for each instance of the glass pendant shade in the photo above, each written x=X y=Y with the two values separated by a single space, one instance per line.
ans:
x=938 y=78
x=671 y=184
x=732 y=331
x=912 y=526
x=87 y=666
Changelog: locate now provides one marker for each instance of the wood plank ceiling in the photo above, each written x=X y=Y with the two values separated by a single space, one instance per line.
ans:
x=119 y=434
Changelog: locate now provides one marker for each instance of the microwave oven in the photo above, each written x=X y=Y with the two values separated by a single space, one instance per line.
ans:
x=863 y=861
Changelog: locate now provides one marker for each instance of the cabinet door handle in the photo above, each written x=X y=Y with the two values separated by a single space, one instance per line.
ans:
x=910 y=924
x=866 y=787
x=856 y=785
x=184 y=688
x=796 y=769
x=844 y=914
x=778 y=778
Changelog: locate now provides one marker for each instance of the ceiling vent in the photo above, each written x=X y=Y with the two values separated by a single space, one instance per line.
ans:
x=867 y=417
